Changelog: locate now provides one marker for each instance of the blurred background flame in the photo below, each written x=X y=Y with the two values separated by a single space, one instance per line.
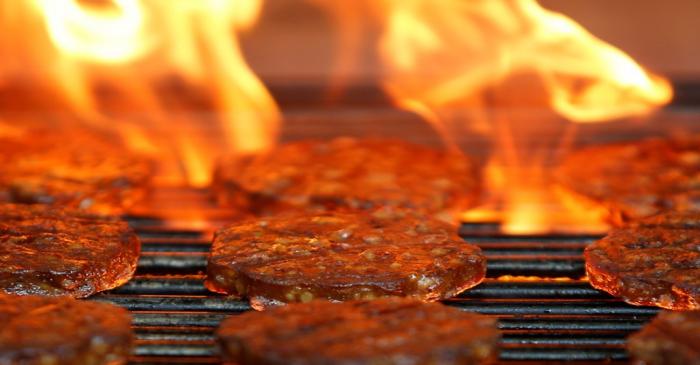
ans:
x=477 y=66
x=127 y=46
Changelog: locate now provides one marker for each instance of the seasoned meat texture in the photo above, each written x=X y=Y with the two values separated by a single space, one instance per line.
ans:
x=383 y=331
x=341 y=256
x=52 y=251
x=672 y=338
x=62 y=331
x=636 y=180
x=653 y=262
x=357 y=173
x=672 y=220
x=71 y=170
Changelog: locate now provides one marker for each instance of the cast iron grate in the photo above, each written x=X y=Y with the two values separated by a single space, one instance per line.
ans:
x=535 y=286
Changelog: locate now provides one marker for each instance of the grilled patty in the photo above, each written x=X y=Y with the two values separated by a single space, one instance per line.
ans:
x=53 y=251
x=74 y=170
x=384 y=331
x=61 y=330
x=655 y=261
x=639 y=179
x=672 y=338
x=346 y=172
x=341 y=256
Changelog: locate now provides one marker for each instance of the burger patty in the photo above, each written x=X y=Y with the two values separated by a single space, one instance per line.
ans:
x=356 y=173
x=341 y=256
x=639 y=179
x=384 y=331
x=672 y=338
x=73 y=170
x=61 y=330
x=53 y=251
x=655 y=261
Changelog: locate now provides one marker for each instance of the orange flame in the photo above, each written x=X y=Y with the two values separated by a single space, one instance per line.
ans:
x=486 y=65
x=446 y=52
x=128 y=45
x=448 y=60
x=464 y=63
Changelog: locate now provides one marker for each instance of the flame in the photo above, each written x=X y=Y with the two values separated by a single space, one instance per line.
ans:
x=460 y=64
x=112 y=35
x=477 y=64
x=130 y=46
x=449 y=52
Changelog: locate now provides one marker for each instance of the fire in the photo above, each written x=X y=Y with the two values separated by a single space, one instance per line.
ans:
x=483 y=65
x=129 y=47
x=450 y=52
x=520 y=278
x=480 y=64
x=112 y=35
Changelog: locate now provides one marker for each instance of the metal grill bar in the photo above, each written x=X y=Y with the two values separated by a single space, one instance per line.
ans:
x=490 y=288
x=552 y=316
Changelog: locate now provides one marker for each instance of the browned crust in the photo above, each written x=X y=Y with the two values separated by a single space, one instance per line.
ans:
x=61 y=330
x=672 y=338
x=637 y=179
x=653 y=262
x=355 y=173
x=75 y=170
x=53 y=251
x=385 y=331
x=342 y=256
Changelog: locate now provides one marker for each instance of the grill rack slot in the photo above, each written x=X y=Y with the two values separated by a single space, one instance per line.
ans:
x=551 y=317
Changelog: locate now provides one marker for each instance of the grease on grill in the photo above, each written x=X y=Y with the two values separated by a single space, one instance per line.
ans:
x=356 y=173
x=638 y=179
x=62 y=330
x=653 y=262
x=72 y=170
x=672 y=338
x=53 y=251
x=385 y=331
x=342 y=256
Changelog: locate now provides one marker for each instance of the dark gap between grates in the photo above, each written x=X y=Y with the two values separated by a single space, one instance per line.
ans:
x=553 y=316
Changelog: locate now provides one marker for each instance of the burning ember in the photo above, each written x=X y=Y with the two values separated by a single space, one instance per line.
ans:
x=508 y=69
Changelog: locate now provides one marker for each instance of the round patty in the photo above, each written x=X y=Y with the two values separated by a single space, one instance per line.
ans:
x=342 y=256
x=655 y=261
x=356 y=173
x=71 y=170
x=61 y=330
x=52 y=251
x=672 y=338
x=384 y=331
x=638 y=179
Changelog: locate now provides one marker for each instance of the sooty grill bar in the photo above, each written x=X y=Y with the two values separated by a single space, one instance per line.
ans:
x=546 y=309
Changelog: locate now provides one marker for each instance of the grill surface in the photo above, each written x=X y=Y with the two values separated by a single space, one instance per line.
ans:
x=547 y=310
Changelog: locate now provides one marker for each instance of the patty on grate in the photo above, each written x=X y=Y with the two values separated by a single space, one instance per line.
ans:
x=383 y=331
x=74 y=170
x=53 y=251
x=61 y=330
x=342 y=256
x=672 y=338
x=356 y=173
x=655 y=261
x=637 y=179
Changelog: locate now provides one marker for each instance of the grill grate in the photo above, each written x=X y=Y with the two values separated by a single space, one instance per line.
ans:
x=552 y=316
